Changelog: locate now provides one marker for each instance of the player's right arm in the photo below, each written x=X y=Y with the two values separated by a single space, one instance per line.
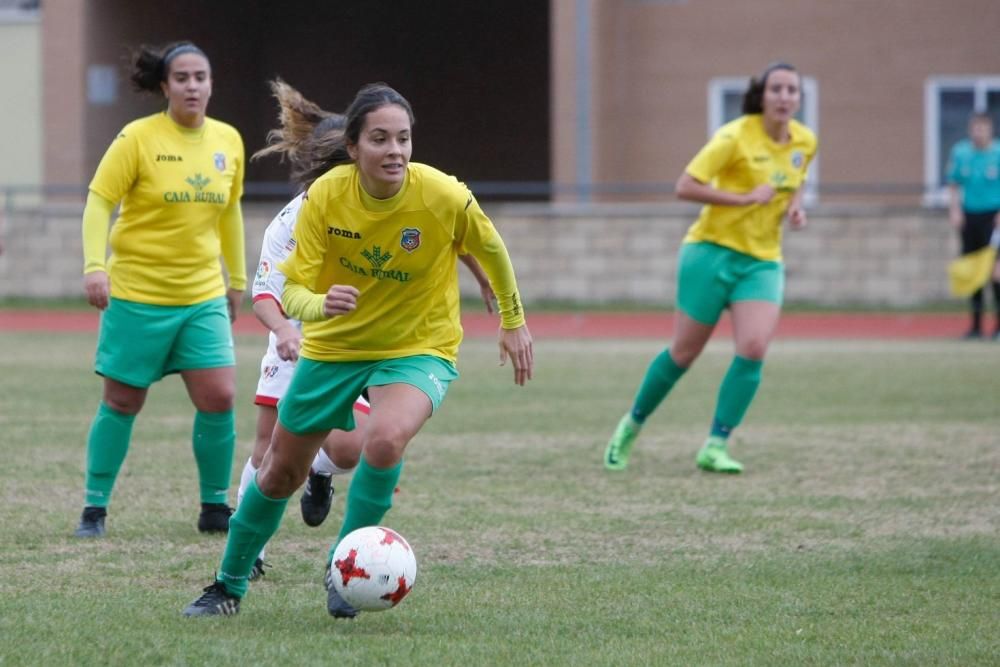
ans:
x=115 y=175
x=96 y=222
x=695 y=183
x=303 y=266
x=269 y=283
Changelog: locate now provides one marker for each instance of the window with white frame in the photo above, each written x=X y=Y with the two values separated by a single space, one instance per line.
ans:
x=725 y=101
x=948 y=103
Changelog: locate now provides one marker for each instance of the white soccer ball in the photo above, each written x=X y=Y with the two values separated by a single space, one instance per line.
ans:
x=373 y=568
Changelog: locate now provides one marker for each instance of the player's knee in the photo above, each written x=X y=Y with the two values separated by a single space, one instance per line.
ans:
x=685 y=354
x=753 y=349
x=219 y=399
x=384 y=446
x=125 y=403
x=345 y=451
x=277 y=480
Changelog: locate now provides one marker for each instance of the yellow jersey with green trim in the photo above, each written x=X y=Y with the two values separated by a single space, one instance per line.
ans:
x=400 y=253
x=174 y=185
x=738 y=158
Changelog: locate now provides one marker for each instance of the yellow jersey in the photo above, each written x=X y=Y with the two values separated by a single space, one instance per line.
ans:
x=175 y=185
x=738 y=158
x=400 y=253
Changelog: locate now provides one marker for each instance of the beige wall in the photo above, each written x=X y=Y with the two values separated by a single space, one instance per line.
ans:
x=652 y=62
x=20 y=103
x=610 y=254
x=64 y=98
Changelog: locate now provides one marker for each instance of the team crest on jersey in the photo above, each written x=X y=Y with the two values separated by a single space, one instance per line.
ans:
x=220 y=161
x=410 y=240
x=798 y=159
x=263 y=273
x=290 y=245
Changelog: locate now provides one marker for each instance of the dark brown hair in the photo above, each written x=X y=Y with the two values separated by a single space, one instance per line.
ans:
x=314 y=140
x=753 y=98
x=151 y=64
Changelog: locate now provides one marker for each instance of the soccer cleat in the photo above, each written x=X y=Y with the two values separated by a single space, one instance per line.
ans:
x=214 y=518
x=620 y=446
x=91 y=522
x=317 y=496
x=335 y=604
x=257 y=571
x=214 y=601
x=714 y=457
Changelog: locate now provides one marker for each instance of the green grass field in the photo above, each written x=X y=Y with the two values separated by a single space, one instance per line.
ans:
x=866 y=530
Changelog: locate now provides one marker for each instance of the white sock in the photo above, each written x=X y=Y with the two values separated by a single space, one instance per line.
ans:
x=248 y=472
x=322 y=463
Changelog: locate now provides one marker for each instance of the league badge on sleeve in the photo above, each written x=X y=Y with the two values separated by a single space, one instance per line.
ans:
x=263 y=273
x=798 y=159
x=220 y=161
x=410 y=240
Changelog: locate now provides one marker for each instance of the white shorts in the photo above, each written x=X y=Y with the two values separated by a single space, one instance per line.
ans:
x=276 y=375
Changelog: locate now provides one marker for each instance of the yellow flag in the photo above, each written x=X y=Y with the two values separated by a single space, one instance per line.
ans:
x=970 y=272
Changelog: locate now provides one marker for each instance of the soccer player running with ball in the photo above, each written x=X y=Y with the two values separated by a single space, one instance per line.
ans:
x=178 y=176
x=373 y=278
x=749 y=177
x=308 y=138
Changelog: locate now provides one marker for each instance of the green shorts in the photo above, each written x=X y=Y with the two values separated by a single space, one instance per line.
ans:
x=322 y=393
x=140 y=343
x=710 y=277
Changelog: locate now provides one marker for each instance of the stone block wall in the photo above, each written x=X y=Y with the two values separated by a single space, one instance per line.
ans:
x=602 y=254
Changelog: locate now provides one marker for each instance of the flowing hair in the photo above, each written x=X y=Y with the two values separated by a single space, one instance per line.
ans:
x=310 y=138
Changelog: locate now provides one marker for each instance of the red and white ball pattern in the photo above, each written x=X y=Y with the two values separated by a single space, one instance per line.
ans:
x=373 y=568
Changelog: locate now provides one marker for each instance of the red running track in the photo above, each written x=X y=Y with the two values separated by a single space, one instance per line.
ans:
x=596 y=324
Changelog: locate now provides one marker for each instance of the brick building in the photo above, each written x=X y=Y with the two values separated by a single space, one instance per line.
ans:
x=579 y=103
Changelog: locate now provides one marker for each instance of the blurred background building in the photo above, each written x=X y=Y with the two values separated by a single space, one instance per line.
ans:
x=585 y=111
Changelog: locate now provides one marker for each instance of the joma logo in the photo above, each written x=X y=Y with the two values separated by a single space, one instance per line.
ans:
x=346 y=233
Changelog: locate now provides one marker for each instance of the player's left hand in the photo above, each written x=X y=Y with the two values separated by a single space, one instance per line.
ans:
x=234 y=297
x=516 y=344
x=797 y=217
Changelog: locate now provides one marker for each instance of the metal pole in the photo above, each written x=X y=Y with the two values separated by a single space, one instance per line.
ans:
x=584 y=149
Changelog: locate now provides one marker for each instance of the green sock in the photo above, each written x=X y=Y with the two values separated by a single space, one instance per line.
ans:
x=214 y=442
x=368 y=498
x=255 y=521
x=661 y=375
x=736 y=393
x=107 y=445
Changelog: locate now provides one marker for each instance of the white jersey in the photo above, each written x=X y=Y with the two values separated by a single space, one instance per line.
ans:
x=278 y=243
x=277 y=246
x=275 y=372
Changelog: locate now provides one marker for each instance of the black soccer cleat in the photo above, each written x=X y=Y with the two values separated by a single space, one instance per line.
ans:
x=317 y=497
x=91 y=522
x=214 y=518
x=336 y=605
x=214 y=601
x=257 y=571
